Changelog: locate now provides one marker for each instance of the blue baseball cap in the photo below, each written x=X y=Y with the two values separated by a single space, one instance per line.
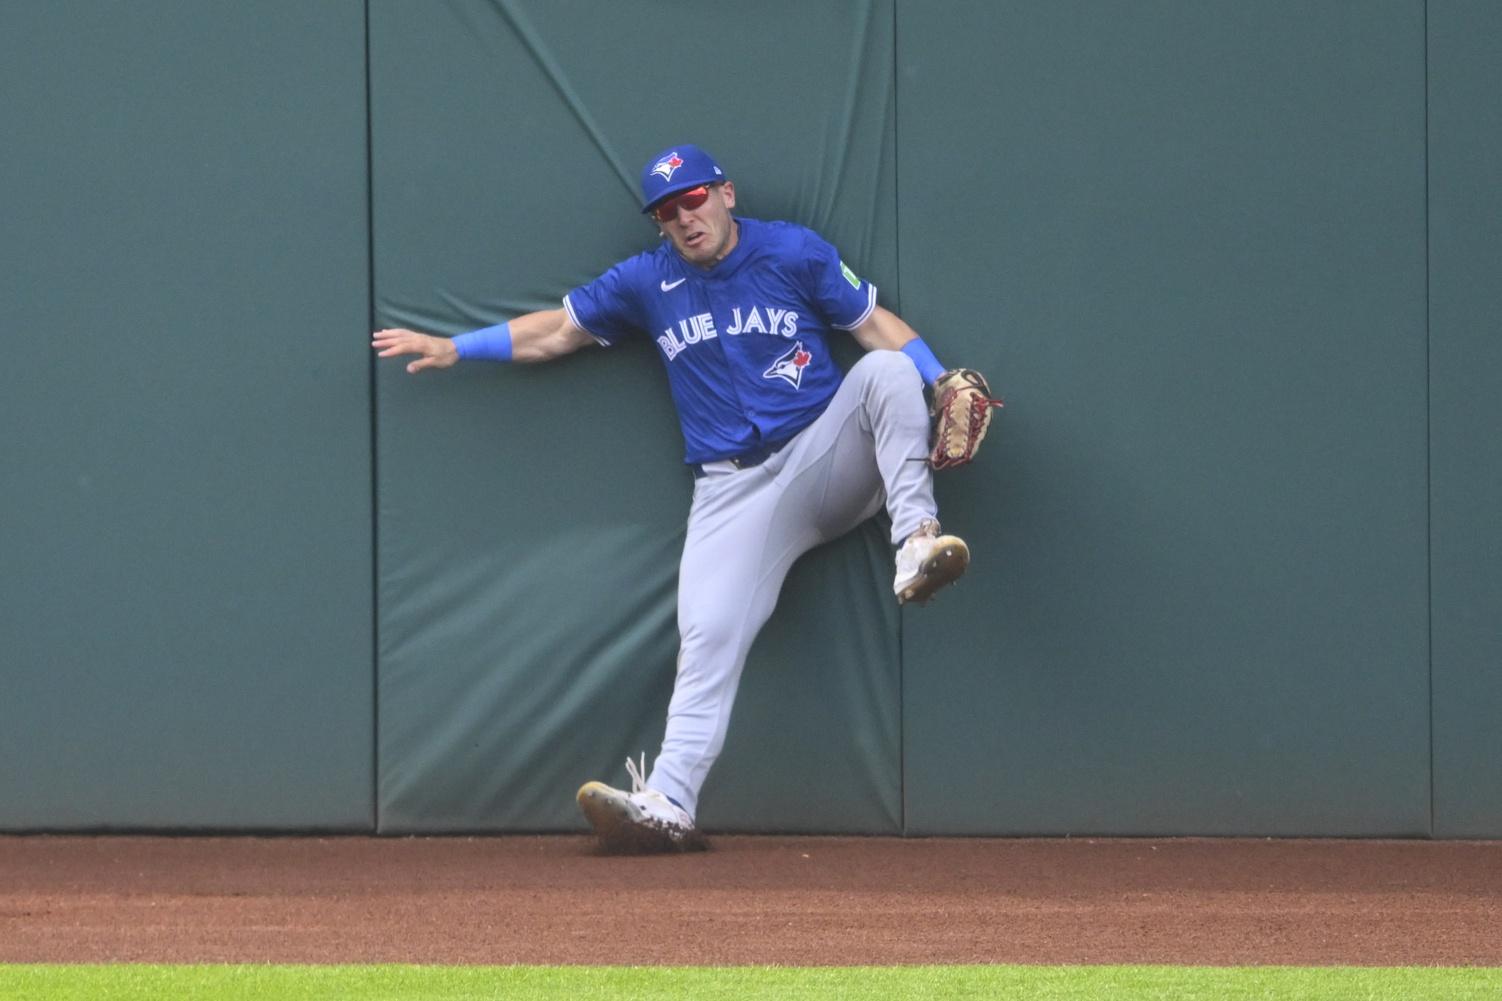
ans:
x=676 y=169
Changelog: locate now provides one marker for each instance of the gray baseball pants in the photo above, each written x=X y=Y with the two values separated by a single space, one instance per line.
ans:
x=747 y=526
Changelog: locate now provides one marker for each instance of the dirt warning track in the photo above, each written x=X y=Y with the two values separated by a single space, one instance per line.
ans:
x=751 y=900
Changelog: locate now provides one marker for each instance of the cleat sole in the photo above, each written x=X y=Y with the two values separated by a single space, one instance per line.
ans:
x=947 y=564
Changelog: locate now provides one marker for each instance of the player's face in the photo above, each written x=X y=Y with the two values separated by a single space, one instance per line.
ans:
x=703 y=233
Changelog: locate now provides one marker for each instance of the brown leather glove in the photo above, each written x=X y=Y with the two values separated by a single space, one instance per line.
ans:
x=962 y=414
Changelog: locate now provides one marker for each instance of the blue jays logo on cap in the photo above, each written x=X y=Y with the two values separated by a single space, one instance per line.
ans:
x=676 y=169
x=667 y=165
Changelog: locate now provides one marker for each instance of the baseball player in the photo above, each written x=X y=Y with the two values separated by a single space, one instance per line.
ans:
x=786 y=451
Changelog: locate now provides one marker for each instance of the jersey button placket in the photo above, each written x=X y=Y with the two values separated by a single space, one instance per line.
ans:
x=732 y=356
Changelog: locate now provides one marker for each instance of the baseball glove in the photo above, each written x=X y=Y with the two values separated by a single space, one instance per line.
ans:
x=962 y=414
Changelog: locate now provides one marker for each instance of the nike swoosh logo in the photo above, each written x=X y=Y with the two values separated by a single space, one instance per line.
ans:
x=669 y=286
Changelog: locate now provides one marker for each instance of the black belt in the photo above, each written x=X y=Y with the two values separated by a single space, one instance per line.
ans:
x=745 y=460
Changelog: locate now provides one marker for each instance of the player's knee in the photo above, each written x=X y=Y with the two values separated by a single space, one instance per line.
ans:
x=888 y=379
x=705 y=634
x=887 y=368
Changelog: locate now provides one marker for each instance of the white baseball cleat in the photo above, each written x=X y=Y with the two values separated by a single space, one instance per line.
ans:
x=927 y=561
x=641 y=822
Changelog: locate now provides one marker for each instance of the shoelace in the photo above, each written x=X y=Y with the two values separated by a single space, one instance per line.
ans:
x=679 y=821
x=638 y=774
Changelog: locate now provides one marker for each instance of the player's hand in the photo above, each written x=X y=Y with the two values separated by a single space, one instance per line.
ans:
x=432 y=352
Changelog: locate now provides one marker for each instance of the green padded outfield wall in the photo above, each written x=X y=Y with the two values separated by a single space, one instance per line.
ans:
x=185 y=601
x=1234 y=266
x=1465 y=301
x=1188 y=240
x=531 y=518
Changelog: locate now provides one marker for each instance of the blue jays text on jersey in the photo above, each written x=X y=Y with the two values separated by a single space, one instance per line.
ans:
x=744 y=342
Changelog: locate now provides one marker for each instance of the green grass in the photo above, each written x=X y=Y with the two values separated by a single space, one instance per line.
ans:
x=525 y=983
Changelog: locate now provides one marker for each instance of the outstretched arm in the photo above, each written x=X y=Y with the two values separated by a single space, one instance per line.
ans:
x=535 y=337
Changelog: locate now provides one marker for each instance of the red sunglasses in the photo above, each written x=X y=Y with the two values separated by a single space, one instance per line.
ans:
x=688 y=201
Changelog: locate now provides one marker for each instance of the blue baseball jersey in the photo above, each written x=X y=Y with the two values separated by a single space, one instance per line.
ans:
x=744 y=342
